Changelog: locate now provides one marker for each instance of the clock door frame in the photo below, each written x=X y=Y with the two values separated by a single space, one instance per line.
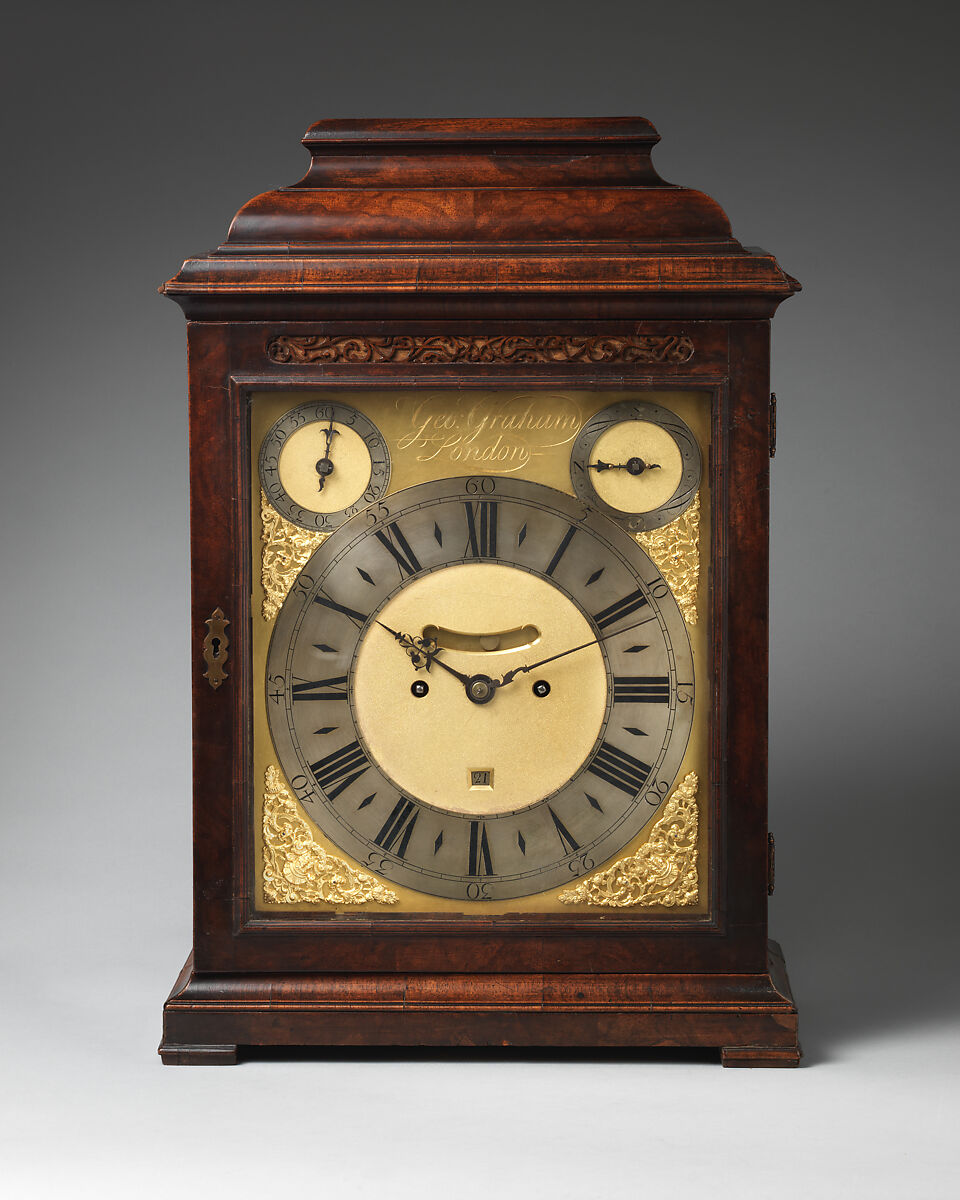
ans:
x=227 y=364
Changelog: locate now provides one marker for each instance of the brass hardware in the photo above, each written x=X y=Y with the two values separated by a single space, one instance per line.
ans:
x=773 y=424
x=286 y=547
x=445 y=434
x=215 y=648
x=663 y=870
x=771 y=864
x=296 y=869
x=512 y=348
x=675 y=548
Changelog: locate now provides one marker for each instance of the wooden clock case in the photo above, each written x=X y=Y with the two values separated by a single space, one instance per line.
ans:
x=526 y=252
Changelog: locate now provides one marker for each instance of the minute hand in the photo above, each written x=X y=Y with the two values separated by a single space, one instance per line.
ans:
x=511 y=675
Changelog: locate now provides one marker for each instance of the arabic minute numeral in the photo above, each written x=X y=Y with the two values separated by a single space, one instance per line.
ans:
x=658 y=589
x=480 y=483
x=581 y=864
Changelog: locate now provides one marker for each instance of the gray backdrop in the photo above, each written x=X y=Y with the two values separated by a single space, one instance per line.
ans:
x=132 y=135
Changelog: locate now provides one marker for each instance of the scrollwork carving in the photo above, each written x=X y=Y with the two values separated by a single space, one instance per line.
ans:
x=664 y=869
x=296 y=869
x=508 y=348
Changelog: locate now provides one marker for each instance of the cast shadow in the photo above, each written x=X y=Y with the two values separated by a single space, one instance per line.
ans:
x=864 y=906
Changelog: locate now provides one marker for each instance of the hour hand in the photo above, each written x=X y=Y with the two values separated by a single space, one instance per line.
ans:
x=421 y=651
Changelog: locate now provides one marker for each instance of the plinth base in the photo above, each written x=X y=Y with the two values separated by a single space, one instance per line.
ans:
x=751 y=1019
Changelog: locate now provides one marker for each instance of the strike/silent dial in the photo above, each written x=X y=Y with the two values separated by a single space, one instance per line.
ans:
x=322 y=463
x=638 y=463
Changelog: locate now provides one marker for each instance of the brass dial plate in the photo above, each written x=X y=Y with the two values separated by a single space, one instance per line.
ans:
x=490 y=839
x=455 y=740
x=638 y=463
x=321 y=463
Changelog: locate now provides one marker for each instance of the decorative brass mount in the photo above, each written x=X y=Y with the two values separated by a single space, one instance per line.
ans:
x=286 y=547
x=296 y=868
x=663 y=870
x=675 y=548
x=215 y=646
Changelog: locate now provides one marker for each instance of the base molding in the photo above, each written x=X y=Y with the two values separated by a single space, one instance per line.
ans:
x=760 y=1056
x=751 y=1019
x=198 y=1056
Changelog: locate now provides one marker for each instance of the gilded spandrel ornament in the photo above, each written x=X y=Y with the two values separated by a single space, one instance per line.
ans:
x=296 y=869
x=663 y=871
x=675 y=548
x=286 y=547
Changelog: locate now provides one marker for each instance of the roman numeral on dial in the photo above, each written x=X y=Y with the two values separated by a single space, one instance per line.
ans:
x=399 y=547
x=339 y=769
x=397 y=828
x=621 y=769
x=479 y=859
x=570 y=846
x=334 y=688
x=641 y=689
x=622 y=608
x=561 y=549
x=358 y=618
x=481 y=528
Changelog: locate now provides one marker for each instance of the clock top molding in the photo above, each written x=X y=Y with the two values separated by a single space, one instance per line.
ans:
x=509 y=218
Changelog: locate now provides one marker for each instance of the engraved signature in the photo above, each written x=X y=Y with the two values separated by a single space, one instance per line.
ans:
x=502 y=434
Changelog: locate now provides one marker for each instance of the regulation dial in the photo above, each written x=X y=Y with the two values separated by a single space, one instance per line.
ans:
x=322 y=463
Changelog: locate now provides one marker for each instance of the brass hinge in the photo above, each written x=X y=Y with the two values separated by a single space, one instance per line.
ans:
x=773 y=424
x=771 y=864
x=215 y=648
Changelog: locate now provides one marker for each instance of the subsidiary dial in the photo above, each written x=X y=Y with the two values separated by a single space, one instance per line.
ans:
x=638 y=463
x=322 y=463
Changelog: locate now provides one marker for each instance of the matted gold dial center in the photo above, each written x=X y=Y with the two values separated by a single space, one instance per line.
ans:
x=429 y=744
x=640 y=466
x=341 y=462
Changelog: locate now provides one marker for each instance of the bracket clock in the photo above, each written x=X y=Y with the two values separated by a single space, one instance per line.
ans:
x=480 y=428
